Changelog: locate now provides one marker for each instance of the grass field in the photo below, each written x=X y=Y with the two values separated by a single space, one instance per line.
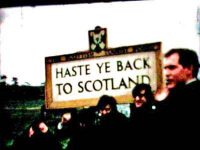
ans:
x=19 y=115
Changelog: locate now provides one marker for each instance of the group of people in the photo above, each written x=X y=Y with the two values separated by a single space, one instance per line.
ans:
x=163 y=119
x=168 y=118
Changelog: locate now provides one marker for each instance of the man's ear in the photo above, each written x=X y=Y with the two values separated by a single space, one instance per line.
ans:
x=189 y=70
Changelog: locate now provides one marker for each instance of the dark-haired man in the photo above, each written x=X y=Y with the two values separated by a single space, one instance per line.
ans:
x=180 y=109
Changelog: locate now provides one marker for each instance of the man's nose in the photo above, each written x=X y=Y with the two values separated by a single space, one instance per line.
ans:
x=166 y=72
x=104 y=112
x=137 y=98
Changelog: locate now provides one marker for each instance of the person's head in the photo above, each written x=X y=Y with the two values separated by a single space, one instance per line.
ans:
x=142 y=94
x=180 y=65
x=38 y=127
x=106 y=105
x=43 y=127
x=66 y=117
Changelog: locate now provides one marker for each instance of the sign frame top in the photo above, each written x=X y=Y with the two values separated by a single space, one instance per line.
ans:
x=55 y=100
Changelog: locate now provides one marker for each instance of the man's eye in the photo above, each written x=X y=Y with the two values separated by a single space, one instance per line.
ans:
x=171 y=67
x=140 y=95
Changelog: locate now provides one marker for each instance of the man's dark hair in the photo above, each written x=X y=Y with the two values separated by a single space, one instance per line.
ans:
x=107 y=100
x=187 y=58
x=148 y=92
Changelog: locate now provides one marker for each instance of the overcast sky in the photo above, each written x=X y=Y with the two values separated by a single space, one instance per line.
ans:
x=29 y=34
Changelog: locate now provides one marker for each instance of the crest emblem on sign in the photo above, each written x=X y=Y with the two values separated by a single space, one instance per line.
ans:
x=98 y=39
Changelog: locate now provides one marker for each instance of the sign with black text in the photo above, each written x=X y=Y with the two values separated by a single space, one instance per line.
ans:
x=79 y=79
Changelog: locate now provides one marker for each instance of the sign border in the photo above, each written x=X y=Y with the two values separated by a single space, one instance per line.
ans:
x=50 y=104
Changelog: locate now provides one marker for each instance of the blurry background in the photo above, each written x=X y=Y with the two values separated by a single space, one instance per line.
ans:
x=31 y=31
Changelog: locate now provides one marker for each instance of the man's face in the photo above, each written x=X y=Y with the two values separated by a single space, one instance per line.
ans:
x=43 y=127
x=140 y=99
x=66 y=118
x=105 y=110
x=173 y=71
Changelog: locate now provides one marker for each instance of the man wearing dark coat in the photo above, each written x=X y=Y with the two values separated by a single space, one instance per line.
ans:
x=179 y=111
